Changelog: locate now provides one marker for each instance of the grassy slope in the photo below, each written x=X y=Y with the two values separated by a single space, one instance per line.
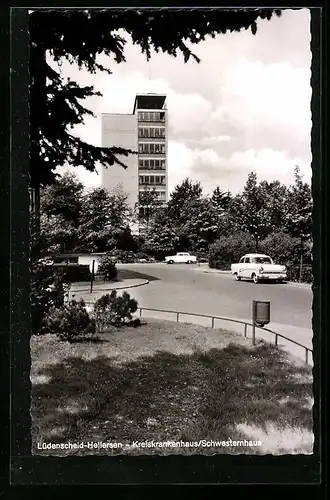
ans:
x=168 y=381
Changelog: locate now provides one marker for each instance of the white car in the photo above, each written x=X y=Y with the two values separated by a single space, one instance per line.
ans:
x=181 y=258
x=256 y=267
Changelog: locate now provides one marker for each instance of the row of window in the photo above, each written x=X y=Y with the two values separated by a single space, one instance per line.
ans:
x=145 y=212
x=151 y=116
x=160 y=195
x=151 y=148
x=152 y=132
x=157 y=164
x=152 y=179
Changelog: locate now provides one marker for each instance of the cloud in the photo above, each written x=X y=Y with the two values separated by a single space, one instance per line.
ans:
x=230 y=173
x=270 y=104
x=245 y=107
x=219 y=138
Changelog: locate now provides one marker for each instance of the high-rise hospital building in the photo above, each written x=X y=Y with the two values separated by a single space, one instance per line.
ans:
x=144 y=131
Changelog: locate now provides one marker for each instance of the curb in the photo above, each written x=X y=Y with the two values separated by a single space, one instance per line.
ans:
x=144 y=282
x=121 y=287
x=206 y=271
x=303 y=285
x=293 y=283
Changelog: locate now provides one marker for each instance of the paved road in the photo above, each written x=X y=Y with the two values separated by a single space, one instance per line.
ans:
x=180 y=287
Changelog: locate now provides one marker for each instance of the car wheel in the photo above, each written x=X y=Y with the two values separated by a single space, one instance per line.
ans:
x=255 y=278
x=237 y=278
x=189 y=262
x=279 y=282
x=171 y=261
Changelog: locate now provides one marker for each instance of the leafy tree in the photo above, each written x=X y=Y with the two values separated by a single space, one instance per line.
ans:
x=249 y=210
x=80 y=36
x=63 y=197
x=187 y=190
x=299 y=213
x=299 y=208
x=147 y=206
x=275 y=199
x=197 y=225
x=103 y=220
x=60 y=210
x=221 y=200
x=161 y=238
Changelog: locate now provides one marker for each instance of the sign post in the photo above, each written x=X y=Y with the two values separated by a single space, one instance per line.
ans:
x=93 y=266
x=253 y=322
x=260 y=316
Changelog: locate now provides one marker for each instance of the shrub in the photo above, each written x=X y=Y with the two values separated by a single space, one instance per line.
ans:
x=282 y=247
x=142 y=255
x=286 y=250
x=229 y=249
x=202 y=257
x=107 y=270
x=70 y=321
x=127 y=242
x=123 y=256
x=293 y=273
x=114 y=310
x=48 y=289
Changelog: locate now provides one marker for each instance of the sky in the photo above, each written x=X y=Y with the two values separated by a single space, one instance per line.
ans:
x=245 y=107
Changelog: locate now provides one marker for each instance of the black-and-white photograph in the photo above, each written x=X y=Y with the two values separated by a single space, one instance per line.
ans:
x=171 y=232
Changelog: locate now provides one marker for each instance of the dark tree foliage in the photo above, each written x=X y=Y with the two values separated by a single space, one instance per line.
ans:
x=81 y=36
x=188 y=190
x=63 y=198
x=221 y=200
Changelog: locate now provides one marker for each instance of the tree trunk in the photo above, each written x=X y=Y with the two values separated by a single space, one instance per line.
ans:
x=257 y=243
x=37 y=108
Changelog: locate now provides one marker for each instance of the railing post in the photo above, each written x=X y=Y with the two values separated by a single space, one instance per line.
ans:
x=276 y=340
x=177 y=317
x=212 y=322
x=140 y=312
x=245 y=329
x=306 y=356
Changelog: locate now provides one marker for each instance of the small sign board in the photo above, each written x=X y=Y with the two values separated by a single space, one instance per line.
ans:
x=96 y=266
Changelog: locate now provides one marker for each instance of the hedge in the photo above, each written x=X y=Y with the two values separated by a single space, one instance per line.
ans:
x=74 y=272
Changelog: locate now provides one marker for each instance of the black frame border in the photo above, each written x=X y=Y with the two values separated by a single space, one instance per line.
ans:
x=33 y=470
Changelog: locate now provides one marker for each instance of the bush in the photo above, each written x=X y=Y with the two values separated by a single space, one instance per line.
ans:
x=286 y=250
x=283 y=248
x=202 y=257
x=123 y=256
x=126 y=241
x=114 y=310
x=229 y=249
x=142 y=255
x=107 y=270
x=70 y=322
x=48 y=289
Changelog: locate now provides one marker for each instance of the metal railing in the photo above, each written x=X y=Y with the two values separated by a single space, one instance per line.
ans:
x=232 y=320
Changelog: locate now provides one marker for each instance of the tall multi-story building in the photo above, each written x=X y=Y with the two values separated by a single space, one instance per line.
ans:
x=144 y=131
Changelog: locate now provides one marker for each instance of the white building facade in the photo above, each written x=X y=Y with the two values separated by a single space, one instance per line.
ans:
x=146 y=132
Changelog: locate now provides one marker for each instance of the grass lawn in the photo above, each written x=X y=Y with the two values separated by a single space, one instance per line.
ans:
x=168 y=381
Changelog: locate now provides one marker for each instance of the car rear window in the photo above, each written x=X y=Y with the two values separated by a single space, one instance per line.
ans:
x=261 y=260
